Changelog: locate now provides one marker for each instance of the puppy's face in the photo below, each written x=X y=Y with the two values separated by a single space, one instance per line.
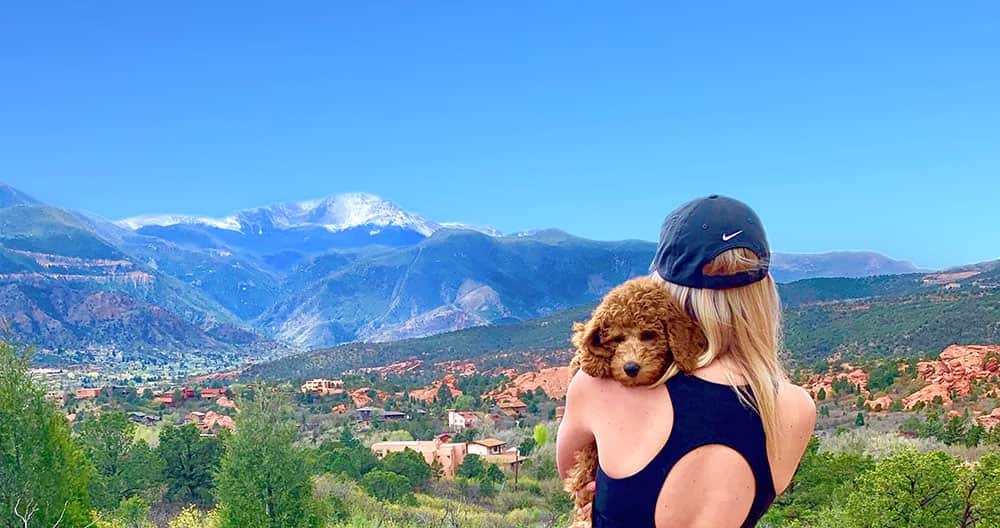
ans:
x=636 y=332
x=638 y=353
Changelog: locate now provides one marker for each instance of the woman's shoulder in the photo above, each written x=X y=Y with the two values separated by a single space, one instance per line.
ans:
x=796 y=405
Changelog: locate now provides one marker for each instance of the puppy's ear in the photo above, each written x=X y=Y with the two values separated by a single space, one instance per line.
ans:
x=594 y=359
x=687 y=341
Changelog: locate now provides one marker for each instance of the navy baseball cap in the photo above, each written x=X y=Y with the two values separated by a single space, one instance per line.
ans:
x=702 y=229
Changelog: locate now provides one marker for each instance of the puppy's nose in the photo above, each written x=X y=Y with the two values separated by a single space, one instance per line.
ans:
x=632 y=369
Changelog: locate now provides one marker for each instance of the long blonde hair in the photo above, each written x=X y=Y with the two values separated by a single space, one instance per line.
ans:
x=743 y=324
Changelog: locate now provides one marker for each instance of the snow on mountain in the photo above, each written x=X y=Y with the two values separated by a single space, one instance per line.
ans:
x=137 y=222
x=335 y=213
x=486 y=230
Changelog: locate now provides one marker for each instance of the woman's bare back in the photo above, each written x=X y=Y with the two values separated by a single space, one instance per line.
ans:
x=712 y=485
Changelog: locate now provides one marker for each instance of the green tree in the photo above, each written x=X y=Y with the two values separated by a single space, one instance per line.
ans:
x=262 y=481
x=954 y=430
x=465 y=402
x=133 y=513
x=494 y=474
x=189 y=462
x=908 y=490
x=821 y=479
x=387 y=486
x=471 y=467
x=527 y=446
x=411 y=465
x=43 y=474
x=859 y=420
x=981 y=493
x=124 y=466
x=541 y=435
x=444 y=396
x=347 y=439
x=824 y=411
x=821 y=395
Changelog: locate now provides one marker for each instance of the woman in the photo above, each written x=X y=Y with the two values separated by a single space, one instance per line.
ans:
x=715 y=447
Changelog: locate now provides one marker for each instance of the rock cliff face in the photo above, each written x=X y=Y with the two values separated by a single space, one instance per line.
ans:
x=954 y=372
x=553 y=380
x=853 y=375
x=429 y=394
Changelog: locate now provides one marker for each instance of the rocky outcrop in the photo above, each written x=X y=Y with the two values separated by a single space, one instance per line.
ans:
x=429 y=394
x=553 y=380
x=989 y=421
x=361 y=397
x=851 y=374
x=880 y=404
x=954 y=373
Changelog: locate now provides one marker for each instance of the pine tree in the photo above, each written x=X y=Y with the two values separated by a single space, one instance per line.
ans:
x=263 y=482
x=43 y=474
x=123 y=466
x=189 y=462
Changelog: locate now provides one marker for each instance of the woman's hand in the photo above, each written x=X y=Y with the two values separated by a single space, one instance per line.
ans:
x=589 y=490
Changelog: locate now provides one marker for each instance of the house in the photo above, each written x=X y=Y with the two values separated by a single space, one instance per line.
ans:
x=448 y=455
x=167 y=398
x=444 y=438
x=87 y=394
x=187 y=393
x=323 y=386
x=486 y=447
x=364 y=414
x=394 y=415
x=143 y=418
x=461 y=420
x=511 y=458
x=212 y=393
x=512 y=407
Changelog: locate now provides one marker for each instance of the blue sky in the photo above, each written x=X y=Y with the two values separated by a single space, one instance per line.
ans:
x=847 y=125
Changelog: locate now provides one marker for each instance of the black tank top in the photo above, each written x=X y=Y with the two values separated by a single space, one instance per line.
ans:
x=704 y=413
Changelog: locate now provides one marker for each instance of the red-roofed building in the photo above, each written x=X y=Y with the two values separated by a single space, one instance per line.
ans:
x=212 y=393
x=87 y=394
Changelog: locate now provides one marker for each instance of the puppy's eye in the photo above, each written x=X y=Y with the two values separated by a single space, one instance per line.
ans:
x=648 y=335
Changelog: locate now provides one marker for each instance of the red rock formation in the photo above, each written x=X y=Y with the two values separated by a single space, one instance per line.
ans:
x=339 y=409
x=954 y=372
x=854 y=376
x=989 y=421
x=553 y=380
x=883 y=401
x=361 y=397
x=429 y=394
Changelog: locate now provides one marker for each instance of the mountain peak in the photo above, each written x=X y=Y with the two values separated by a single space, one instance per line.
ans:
x=10 y=197
x=344 y=211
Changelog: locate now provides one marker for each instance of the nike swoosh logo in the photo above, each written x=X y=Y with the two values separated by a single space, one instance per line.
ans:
x=727 y=238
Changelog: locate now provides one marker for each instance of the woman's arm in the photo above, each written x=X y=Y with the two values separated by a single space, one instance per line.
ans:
x=574 y=431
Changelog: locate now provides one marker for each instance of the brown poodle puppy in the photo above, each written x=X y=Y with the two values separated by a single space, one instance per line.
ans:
x=633 y=336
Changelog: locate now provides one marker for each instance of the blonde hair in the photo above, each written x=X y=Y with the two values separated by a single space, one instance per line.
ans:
x=743 y=324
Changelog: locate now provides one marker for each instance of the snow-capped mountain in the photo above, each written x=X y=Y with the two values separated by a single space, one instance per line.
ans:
x=335 y=213
x=281 y=235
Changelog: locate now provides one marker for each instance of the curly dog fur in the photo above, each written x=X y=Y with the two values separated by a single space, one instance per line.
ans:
x=633 y=336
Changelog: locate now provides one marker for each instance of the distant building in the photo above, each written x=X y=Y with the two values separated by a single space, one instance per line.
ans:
x=365 y=414
x=394 y=415
x=87 y=394
x=461 y=420
x=167 y=398
x=449 y=455
x=187 y=393
x=486 y=447
x=212 y=393
x=323 y=386
x=512 y=407
x=143 y=418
